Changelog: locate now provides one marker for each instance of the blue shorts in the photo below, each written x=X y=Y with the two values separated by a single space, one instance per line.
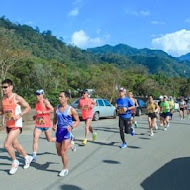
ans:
x=42 y=128
x=62 y=134
x=166 y=114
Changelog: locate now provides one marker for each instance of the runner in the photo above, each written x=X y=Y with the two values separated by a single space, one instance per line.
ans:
x=182 y=106
x=63 y=115
x=165 y=109
x=172 y=106
x=188 y=108
x=86 y=105
x=124 y=106
x=11 y=108
x=133 y=112
x=152 y=109
x=42 y=120
x=160 y=111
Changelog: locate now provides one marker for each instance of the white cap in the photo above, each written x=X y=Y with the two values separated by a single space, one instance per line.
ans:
x=122 y=90
x=161 y=97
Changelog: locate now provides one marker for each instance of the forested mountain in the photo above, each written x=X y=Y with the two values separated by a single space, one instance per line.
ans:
x=35 y=59
x=155 y=60
x=185 y=57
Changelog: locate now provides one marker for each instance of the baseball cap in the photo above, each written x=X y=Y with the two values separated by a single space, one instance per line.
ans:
x=122 y=90
x=165 y=97
x=161 y=97
x=85 y=91
x=39 y=92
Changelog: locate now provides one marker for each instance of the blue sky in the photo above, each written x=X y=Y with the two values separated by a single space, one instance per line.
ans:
x=157 y=24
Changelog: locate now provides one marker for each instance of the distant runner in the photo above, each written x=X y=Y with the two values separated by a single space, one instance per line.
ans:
x=182 y=106
x=152 y=109
x=86 y=105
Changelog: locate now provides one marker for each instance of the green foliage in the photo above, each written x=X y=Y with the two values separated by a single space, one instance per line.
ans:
x=40 y=60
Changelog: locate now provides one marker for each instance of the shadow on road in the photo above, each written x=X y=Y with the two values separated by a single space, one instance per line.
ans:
x=70 y=187
x=172 y=176
x=107 y=129
x=111 y=162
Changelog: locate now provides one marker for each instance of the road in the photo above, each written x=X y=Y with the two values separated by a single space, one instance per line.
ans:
x=161 y=162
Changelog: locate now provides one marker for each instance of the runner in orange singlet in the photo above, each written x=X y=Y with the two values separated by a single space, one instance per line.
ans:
x=42 y=120
x=86 y=105
x=11 y=108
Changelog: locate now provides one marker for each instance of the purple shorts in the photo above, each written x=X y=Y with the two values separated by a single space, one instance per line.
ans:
x=62 y=134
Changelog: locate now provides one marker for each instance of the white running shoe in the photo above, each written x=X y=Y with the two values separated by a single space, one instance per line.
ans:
x=27 y=162
x=165 y=128
x=151 y=134
x=168 y=125
x=73 y=148
x=156 y=127
x=14 y=167
x=64 y=172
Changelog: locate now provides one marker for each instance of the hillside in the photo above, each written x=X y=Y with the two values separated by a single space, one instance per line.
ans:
x=185 y=57
x=155 y=60
x=35 y=59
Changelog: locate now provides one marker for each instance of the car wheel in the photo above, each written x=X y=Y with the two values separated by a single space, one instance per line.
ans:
x=96 y=116
x=114 y=114
x=139 y=112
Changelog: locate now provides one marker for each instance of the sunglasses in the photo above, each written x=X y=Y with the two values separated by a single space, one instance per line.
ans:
x=4 y=87
x=37 y=94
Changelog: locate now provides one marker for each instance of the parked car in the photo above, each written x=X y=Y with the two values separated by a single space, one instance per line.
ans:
x=142 y=109
x=102 y=109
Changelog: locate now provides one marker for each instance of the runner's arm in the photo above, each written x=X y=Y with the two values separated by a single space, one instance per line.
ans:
x=48 y=105
x=55 y=119
x=21 y=101
x=76 y=119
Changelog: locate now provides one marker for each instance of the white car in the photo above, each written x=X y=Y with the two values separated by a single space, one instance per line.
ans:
x=102 y=109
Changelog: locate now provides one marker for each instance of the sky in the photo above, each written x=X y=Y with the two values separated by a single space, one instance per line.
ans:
x=154 y=24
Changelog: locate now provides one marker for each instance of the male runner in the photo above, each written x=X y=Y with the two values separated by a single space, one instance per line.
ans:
x=124 y=106
x=86 y=105
x=63 y=118
x=11 y=108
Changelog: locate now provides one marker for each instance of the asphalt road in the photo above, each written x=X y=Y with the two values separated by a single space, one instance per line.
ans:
x=161 y=162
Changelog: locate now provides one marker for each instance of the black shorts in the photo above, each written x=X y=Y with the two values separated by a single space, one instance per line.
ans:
x=182 y=109
x=126 y=124
x=152 y=115
x=8 y=129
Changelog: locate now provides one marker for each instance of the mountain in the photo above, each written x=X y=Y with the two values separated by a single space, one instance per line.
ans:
x=155 y=60
x=46 y=46
x=185 y=57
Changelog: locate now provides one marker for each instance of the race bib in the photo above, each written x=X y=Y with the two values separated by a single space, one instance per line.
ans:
x=40 y=121
x=121 y=110
x=8 y=114
x=85 y=107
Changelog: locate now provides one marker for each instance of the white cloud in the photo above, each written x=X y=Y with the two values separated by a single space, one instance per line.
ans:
x=157 y=22
x=138 y=13
x=74 y=12
x=82 y=40
x=175 y=44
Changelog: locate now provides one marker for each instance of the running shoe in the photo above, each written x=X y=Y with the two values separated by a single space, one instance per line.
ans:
x=165 y=128
x=132 y=131
x=136 y=124
x=94 y=136
x=151 y=134
x=28 y=160
x=14 y=167
x=34 y=158
x=64 y=172
x=123 y=145
x=168 y=125
x=156 y=127
x=84 y=142
x=73 y=148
